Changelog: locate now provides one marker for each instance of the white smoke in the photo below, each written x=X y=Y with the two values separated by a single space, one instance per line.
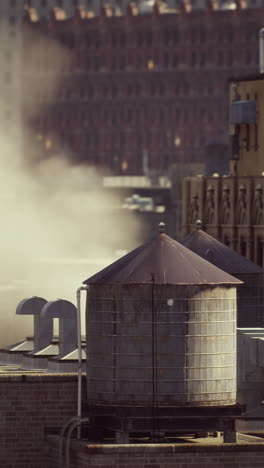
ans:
x=58 y=227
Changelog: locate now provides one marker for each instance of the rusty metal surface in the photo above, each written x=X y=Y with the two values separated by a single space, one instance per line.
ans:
x=168 y=260
x=219 y=254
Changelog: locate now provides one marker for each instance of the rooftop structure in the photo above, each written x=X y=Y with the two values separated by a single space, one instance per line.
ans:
x=232 y=205
x=164 y=261
x=219 y=254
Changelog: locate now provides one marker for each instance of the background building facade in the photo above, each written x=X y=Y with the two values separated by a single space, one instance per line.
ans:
x=141 y=91
x=232 y=207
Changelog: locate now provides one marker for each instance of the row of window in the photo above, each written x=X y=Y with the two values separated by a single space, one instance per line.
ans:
x=133 y=117
x=141 y=62
x=148 y=38
x=156 y=142
x=48 y=3
x=181 y=89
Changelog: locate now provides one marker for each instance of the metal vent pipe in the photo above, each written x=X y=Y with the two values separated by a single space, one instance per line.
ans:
x=261 y=50
x=79 y=340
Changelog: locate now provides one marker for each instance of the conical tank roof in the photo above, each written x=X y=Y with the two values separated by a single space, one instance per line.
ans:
x=164 y=261
x=219 y=254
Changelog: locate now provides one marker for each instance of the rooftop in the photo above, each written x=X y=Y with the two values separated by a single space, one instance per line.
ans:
x=161 y=260
x=219 y=254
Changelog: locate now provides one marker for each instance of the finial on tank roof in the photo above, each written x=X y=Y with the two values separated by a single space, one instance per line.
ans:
x=199 y=224
x=161 y=227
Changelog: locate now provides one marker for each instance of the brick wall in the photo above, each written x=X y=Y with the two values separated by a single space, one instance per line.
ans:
x=30 y=404
x=160 y=456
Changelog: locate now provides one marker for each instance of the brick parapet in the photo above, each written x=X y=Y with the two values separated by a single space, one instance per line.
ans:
x=30 y=405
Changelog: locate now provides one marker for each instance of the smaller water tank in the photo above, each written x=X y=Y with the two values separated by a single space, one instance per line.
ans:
x=250 y=295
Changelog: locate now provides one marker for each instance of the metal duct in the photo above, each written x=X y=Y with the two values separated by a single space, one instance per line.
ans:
x=66 y=312
x=43 y=330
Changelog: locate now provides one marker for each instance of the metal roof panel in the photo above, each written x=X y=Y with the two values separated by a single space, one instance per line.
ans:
x=219 y=254
x=166 y=259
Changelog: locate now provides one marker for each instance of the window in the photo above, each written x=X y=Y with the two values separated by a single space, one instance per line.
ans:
x=114 y=39
x=97 y=41
x=82 y=93
x=88 y=40
x=137 y=89
x=202 y=59
x=122 y=62
x=175 y=60
x=186 y=88
x=166 y=37
x=113 y=63
x=122 y=40
x=91 y=91
x=87 y=139
x=149 y=37
x=175 y=36
x=122 y=139
x=230 y=58
x=248 y=57
x=161 y=89
x=129 y=116
x=139 y=38
x=202 y=35
x=166 y=60
x=193 y=59
x=96 y=63
x=139 y=61
x=87 y=63
x=114 y=91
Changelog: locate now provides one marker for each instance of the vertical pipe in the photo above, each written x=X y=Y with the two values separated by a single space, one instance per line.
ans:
x=153 y=358
x=261 y=50
x=79 y=339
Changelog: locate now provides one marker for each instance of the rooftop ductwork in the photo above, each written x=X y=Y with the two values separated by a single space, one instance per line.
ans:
x=43 y=328
x=66 y=312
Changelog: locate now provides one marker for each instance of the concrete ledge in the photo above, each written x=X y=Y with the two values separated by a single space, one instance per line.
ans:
x=83 y=446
